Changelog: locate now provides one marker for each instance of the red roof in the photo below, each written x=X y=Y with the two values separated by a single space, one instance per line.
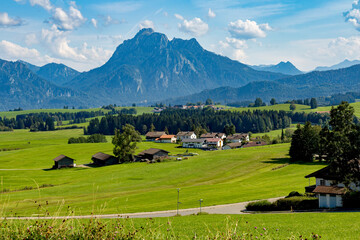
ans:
x=167 y=136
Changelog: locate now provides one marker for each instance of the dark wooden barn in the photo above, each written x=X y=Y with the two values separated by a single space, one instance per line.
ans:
x=103 y=159
x=63 y=161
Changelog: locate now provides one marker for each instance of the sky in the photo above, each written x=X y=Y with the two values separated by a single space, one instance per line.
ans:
x=83 y=34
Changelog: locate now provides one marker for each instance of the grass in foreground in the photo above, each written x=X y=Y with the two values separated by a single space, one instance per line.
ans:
x=258 y=226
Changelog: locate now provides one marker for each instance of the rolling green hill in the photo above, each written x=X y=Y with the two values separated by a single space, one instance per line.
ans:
x=217 y=177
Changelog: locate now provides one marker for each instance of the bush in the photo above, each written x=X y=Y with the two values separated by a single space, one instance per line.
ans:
x=294 y=194
x=264 y=205
x=351 y=200
x=296 y=203
x=95 y=138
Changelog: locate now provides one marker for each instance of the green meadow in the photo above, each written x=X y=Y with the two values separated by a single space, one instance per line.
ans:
x=253 y=226
x=219 y=177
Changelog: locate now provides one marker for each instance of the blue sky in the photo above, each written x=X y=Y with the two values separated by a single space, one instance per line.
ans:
x=83 y=34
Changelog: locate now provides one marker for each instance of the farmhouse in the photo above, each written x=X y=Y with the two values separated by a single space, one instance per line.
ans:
x=151 y=154
x=327 y=191
x=185 y=135
x=152 y=136
x=63 y=161
x=194 y=143
x=214 y=143
x=103 y=159
x=213 y=135
x=232 y=145
x=238 y=138
x=166 y=139
x=254 y=144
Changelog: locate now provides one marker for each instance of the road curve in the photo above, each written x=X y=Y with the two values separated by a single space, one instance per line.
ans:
x=234 y=208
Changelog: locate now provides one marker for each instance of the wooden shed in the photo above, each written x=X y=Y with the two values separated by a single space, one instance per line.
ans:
x=63 y=161
x=103 y=159
x=152 y=154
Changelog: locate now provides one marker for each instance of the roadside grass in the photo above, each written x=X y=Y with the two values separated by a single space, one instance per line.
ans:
x=257 y=226
x=218 y=177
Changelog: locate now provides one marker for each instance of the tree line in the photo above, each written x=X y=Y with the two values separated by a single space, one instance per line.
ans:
x=204 y=120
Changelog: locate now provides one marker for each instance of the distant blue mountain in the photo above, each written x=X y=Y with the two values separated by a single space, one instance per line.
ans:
x=345 y=64
x=53 y=72
x=313 y=84
x=286 y=68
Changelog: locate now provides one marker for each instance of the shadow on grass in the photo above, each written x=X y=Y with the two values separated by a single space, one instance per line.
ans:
x=287 y=161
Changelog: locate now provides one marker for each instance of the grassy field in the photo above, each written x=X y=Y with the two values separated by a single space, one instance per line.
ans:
x=217 y=177
x=299 y=108
x=13 y=114
x=257 y=226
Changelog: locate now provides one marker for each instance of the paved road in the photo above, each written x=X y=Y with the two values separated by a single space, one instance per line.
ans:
x=235 y=208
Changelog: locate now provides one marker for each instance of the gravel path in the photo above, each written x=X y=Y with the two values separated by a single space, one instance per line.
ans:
x=235 y=208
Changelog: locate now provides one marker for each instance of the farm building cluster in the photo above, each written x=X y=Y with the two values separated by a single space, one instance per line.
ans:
x=102 y=159
x=213 y=140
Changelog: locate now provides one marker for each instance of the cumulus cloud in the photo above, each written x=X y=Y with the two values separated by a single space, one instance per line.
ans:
x=66 y=21
x=94 y=22
x=248 y=29
x=6 y=21
x=211 y=14
x=194 y=27
x=353 y=15
x=239 y=55
x=146 y=24
x=31 y=39
x=59 y=45
x=236 y=43
x=42 y=3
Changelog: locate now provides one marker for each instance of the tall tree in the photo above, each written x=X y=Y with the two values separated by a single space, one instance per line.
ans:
x=258 y=102
x=125 y=143
x=292 y=107
x=313 y=103
x=209 y=102
x=273 y=101
x=342 y=144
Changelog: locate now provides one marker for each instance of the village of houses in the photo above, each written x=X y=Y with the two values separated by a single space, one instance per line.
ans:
x=207 y=142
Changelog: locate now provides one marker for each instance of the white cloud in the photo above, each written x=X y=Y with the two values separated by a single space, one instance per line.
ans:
x=194 y=27
x=239 y=55
x=94 y=22
x=178 y=16
x=211 y=14
x=59 y=45
x=353 y=16
x=67 y=21
x=236 y=43
x=248 y=29
x=31 y=39
x=146 y=24
x=6 y=21
x=12 y=52
x=42 y=3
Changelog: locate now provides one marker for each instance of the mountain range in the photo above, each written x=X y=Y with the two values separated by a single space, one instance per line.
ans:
x=286 y=68
x=151 y=68
x=21 y=87
x=345 y=64
x=313 y=84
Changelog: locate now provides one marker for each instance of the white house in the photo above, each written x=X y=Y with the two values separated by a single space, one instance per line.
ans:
x=185 y=135
x=194 y=143
x=166 y=139
x=238 y=138
x=327 y=191
x=213 y=135
x=214 y=142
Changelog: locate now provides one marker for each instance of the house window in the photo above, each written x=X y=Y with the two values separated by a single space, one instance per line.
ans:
x=322 y=182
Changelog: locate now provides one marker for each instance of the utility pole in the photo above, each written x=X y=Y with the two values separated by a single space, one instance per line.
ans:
x=200 y=204
x=178 y=198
